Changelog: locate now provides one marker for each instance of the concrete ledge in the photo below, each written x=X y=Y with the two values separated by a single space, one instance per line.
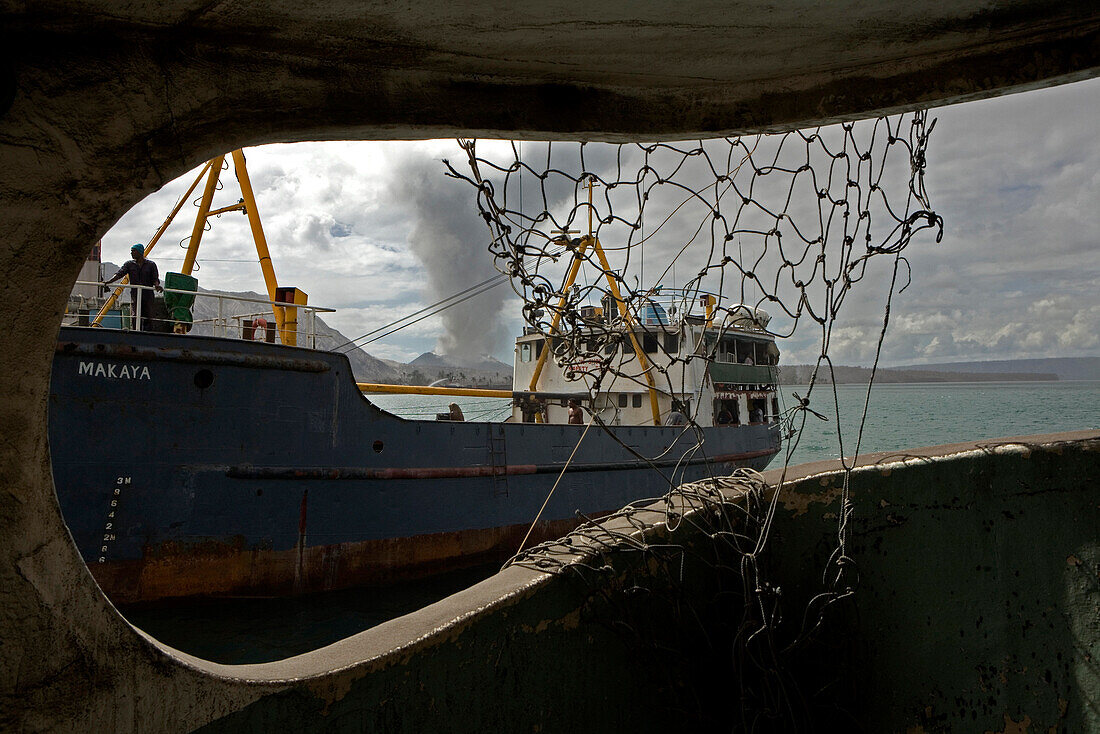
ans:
x=977 y=576
x=525 y=649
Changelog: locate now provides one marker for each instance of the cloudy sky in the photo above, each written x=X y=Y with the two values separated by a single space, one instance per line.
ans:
x=377 y=231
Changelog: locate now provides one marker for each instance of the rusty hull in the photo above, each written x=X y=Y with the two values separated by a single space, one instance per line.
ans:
x=219 y=568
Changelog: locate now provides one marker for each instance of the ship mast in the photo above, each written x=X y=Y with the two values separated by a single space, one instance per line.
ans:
x=584 y=243
x=286 y=319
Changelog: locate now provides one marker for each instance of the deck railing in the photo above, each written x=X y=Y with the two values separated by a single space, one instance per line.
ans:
x=231 y=320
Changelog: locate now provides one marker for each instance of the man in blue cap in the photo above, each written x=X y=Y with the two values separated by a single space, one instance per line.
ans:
x=142 y=271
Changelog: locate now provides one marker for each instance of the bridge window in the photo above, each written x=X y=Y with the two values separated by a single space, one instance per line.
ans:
x=757 y=408
x=727 y=351
x=746 y=354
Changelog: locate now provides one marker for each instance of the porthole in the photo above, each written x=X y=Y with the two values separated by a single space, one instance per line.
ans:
x=377 y=446
x=204 y=379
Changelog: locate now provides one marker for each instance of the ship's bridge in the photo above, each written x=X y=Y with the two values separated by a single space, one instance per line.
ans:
x=697 y=354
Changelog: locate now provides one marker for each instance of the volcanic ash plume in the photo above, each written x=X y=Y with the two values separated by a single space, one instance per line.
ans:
x=450 y=240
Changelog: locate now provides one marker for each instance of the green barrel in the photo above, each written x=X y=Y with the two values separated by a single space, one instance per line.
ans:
x=179 y=282
x=179 y=304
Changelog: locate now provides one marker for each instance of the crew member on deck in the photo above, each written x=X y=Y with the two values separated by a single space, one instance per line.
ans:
x=528 y=406
x=676 y=416
x=576 y=415
x=142 y=271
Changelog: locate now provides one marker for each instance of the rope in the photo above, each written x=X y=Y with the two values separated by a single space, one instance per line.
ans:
x=551 y=492
x=793 y=222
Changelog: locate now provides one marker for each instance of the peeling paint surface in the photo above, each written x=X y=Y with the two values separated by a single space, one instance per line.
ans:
x=798 y=503
x=228 y=569
x=978 y=604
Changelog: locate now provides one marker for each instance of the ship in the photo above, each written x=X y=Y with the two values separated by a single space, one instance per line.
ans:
x=244 y=463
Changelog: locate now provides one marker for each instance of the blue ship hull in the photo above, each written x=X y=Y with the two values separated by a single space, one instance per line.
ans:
x=190 y=466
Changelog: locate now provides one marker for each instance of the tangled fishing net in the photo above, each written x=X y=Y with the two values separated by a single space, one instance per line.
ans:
x=791 y=223
x=787 y=221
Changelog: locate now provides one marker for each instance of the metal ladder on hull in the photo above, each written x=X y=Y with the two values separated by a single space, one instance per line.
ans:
x=498 y=460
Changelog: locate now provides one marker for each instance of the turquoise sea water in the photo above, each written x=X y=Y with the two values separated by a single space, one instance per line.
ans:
x=900 y=417
x=239 y=631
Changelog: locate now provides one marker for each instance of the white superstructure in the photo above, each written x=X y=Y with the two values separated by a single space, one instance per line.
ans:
x=716 y=373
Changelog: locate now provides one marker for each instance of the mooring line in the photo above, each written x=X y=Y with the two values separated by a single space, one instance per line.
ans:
x=551 y=493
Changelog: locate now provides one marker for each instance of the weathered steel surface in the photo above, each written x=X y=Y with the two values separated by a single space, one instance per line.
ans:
x=166 y=451
x=227 y=568
x=978 y=598
x=353 y=473
x=227 y=355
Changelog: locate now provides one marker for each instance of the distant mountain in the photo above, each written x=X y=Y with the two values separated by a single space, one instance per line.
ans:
x=483 y=371
x=364 y=366
x=799 y=374
x=430 y=359
x=484 y=362
x=1067 y=368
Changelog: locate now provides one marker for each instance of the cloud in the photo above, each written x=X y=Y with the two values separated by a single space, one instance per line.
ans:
x=376 y=230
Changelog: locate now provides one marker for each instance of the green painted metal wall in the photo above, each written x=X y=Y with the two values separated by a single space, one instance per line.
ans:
x=743 y=373
x=978 y=599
